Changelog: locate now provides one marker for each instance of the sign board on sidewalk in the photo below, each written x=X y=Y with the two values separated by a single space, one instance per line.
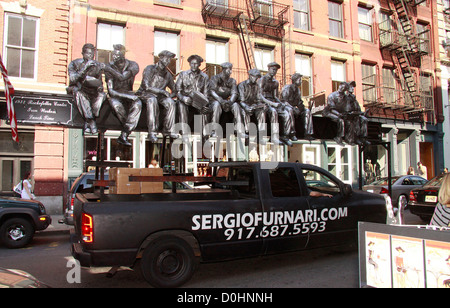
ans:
x=403 y=256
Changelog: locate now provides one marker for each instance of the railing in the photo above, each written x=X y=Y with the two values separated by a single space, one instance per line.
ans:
x=392 y=38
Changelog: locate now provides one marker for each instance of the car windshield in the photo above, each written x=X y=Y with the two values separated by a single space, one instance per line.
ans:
x=435 y=181
x=384 y=181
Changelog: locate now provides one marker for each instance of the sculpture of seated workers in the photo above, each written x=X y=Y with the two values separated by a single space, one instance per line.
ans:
x=224 y=97
x=360 y=120
x=343 y=109
x=192 y=90
x=126 y=105
x=270 y=90
x=291 y=96
x=250 y=99
x=86 y=85
x=156 y=79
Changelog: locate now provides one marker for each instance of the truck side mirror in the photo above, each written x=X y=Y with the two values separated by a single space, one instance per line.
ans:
x=348 y=190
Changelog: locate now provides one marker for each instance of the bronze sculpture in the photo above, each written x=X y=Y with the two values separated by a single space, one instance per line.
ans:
x=291 y=95
x=86 y=85
x=343 y=108
x=269 y=89
x=250 y=99
x=156 y=79
x=126 y=105
x=224 y=97
x=192 y=89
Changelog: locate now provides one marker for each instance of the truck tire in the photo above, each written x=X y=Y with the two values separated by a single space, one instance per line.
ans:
x=168 y=262
x=16 y=233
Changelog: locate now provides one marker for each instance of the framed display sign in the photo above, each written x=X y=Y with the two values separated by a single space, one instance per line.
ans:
x=404 y=256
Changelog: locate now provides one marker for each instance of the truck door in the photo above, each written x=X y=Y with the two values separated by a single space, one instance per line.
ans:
x=334 y=217
x=285 y=206
x=230 y=229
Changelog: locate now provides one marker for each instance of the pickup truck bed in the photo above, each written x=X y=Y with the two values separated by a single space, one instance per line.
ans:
x=269 y=211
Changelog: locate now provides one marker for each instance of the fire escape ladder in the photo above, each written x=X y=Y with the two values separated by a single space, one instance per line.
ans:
x=246 y=42
x=286 y=57
x=404 y=55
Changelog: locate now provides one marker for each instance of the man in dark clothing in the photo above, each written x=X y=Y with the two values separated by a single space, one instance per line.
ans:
x=127 y=106
x=156 y=79
x=86 y=85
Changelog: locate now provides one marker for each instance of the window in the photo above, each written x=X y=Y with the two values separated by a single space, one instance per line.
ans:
x=303 y=66
x=369 y=83
x=386 y=26
x=335 y=19
x=424 y=37
x=263 y=8
x=107 y=36
x=240 y=179
x=169 y=1
x=284 y=183
x=337 y=74
x=339 y=162
x=365 y=24
x=21 y=43
x=167 y=41
x=301 y=15
x=112 y=152
x=216 y=54
x=263 y=56
x=389 y=86
x=317 y=181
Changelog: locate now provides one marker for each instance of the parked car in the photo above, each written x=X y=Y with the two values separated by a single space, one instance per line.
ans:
x=19 y=219
x=423 y=200
x=12 y=278
x=401 y=187
x=83 y=184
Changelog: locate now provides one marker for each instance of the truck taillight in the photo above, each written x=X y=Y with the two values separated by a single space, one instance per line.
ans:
x=72 y=202
x=87 y=228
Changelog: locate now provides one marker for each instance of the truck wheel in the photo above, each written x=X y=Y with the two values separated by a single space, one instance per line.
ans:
x=168 y=262
x=16 y=233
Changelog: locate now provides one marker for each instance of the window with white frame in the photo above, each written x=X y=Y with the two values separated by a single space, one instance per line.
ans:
x=112 y=152
x=216 y=54
x=340 y=162
x=170 y=1
x=335 y=19
x=389 y=86
x=21 y=45
x=365 y=24
x=108 y=35
x=263 y=56
x=369 y=83
x=337 y=74
x=303 y=66
x=167 y=41
x=301 y=15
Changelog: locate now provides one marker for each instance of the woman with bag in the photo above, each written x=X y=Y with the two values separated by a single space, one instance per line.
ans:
x=26 y=187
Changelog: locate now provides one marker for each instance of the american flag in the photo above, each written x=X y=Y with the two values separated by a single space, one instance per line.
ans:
x=9 y=92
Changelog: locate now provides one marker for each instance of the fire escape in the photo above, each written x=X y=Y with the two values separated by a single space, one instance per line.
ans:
x=249 y=19
x=409 y=51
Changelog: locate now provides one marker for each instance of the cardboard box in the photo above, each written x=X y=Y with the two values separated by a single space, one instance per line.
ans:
x=151 y=187
x=124 y=186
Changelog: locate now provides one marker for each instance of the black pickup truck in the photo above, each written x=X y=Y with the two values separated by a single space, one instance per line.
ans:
x=253 y=210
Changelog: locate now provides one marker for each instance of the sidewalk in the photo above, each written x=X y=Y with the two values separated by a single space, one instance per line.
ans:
x=56 y=226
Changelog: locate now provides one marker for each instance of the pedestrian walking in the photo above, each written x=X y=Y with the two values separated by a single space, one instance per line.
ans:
x=27 y=192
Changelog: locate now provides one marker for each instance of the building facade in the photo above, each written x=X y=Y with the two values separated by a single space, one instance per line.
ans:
x=328 y=42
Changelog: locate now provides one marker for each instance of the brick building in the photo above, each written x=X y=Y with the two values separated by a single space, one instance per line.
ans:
x=328 y=42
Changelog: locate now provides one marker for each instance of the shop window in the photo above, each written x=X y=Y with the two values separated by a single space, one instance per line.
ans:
x=339 y=162
x=22 y=36
x=113 y=151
